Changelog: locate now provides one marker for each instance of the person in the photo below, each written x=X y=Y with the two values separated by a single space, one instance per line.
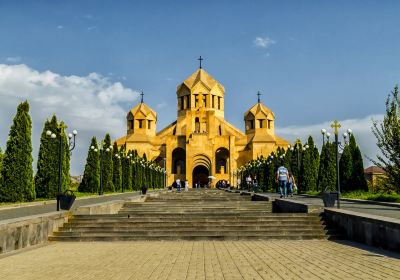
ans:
x=178 y=184
x=186 y=186
x=291 y=183
x=255 y=184
x=228 y=185
x=282 y=175
x=238 y=183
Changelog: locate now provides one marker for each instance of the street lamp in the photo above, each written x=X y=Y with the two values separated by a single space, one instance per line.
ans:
x=71 y=146
x=165 y=172
x=323 y=132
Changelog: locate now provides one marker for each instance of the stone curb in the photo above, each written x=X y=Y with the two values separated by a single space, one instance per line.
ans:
x=390 y=204
x=45 y=202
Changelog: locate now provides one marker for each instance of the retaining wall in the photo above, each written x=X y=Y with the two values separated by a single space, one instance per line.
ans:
x=364 y=228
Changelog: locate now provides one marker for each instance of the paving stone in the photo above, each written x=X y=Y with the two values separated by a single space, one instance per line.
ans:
x=261 y=259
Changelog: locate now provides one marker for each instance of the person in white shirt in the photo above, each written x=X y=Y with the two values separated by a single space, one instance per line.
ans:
x=282 y=175
x=186 y=186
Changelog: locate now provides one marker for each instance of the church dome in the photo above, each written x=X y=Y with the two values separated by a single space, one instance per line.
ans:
x=143 y=109
x=259 y=108
x=201 y=76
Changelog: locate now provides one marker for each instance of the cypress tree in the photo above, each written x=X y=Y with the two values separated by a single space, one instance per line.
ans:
x=345 y=169
x=116 y=168
x=327 y=168
x=46 y=178
x=107 y=165
x=66 y=177
x=17 y=170
x=126 y=171
x=358 y=181
x=1 y=163
x=91 y=176
x=309 y=167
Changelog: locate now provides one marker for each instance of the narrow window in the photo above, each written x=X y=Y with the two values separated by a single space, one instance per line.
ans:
x=260 y=122
x=213 y=101
x=219 y=103
x=205 y=100
x=269 y=124
x=130 y=124
x=220 y=130
x=187 y=101
x=196 y=100
x=140 y=123
x=251 y=124
x=149 y=124
x=182 y=104
x=197 y=125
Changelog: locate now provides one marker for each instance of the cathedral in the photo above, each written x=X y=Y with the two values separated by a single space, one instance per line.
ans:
x=201 y=143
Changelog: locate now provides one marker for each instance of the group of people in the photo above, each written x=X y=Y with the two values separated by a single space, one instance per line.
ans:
x=286 y=182
x=178 y=185
x=251 y=183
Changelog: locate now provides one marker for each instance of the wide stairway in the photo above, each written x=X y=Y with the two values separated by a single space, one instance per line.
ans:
x=194 y=215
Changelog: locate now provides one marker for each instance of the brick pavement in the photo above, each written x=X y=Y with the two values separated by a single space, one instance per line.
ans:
x=312 y=259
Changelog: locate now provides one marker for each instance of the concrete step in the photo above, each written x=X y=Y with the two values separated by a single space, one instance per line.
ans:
x=199 y=228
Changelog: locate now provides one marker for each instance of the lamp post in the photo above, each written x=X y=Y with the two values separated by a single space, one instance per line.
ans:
x=323 y=132
x=165 y=172
x=336 y=125
x=71 y=146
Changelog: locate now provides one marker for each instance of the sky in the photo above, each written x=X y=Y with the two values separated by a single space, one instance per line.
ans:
x=87 y=61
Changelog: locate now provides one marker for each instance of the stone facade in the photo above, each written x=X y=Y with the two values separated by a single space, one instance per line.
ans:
x=201 y=143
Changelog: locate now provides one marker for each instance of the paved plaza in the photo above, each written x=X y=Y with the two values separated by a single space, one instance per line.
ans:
x=313 y=259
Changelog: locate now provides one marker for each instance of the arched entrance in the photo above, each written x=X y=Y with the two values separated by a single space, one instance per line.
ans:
x=200 y=175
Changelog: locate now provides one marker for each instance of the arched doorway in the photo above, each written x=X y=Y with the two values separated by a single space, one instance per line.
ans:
x=179 y=161
x=222 y=161
x=200 y=175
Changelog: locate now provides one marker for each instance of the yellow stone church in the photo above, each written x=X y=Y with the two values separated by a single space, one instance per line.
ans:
x=201 y=143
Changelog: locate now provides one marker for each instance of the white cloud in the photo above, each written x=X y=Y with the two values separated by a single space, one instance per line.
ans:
x=265 y=42
x=13 y=59
x=161 y=105
x=361 y=129
x=93 y=105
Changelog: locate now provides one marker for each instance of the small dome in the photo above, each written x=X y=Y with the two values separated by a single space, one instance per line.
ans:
x=257 y=108
x=201 y=76
x=143 y=109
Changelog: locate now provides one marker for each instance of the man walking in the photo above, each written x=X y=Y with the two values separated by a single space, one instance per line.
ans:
x=282 y=176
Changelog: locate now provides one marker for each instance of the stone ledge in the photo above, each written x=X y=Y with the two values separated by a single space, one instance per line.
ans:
x=370 y=229
x=281 y=205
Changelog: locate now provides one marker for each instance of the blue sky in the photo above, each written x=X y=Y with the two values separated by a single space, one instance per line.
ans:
x=313 y=61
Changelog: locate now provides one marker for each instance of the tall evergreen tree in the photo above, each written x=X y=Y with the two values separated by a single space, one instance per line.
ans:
x=327 y=168
x=1 y=164
x=126 y=164
x=46 y=178
x=66 y=176
x=91 y=176
x=116 y=168
x=107 y=165
x=345 y=169
x=17 y=170
x=387 y=134
x=309 y=167
x=358 y=181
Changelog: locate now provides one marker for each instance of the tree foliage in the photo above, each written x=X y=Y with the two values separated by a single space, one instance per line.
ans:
x=309 y=167
x=327 y=168
x=91 y=176
x=107 y=165
x=17 y=173
x=116 y=168
x=358 y=181
x=387 y=134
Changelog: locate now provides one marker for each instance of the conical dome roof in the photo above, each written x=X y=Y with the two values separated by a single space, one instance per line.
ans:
x=201 y=76
x=259 y=107
x=144 y=109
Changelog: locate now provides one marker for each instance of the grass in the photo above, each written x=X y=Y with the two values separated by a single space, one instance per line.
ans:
x=77 y=194
x=384 y=197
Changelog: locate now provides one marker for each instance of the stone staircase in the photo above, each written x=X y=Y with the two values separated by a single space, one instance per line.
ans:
x=194 y=215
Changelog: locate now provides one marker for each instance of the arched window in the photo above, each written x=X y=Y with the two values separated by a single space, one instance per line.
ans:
x=196 y=125
x=179 y=161
x=221 y=161
x=130 y=121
